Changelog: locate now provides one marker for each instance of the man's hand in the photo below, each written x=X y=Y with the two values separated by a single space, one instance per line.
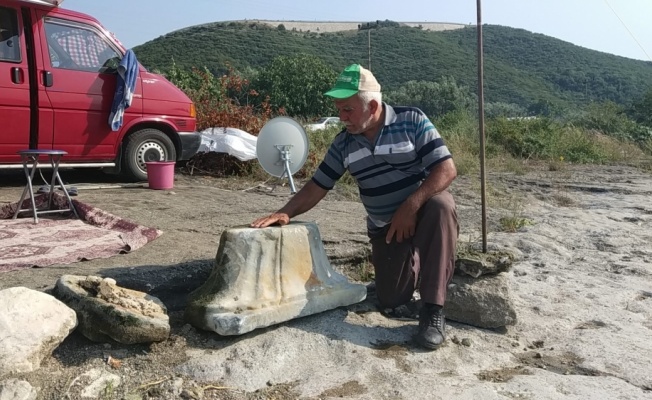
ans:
x=276 y=218
x=404 y=222
x=309 y=195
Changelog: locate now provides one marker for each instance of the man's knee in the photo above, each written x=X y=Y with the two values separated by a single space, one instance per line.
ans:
x=440 y=206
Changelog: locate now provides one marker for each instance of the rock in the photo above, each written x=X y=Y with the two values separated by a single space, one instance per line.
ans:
x=476 y=263
x=191 y=394
x=32 y=325
x=14 y=389
x=263 y=277
x=484 y=302
x=108 y=312
x=94 y=384
x=173 y=387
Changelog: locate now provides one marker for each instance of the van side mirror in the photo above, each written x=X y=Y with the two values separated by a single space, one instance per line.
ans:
x=110 y=66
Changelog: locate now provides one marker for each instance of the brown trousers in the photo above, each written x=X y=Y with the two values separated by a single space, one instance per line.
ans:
x=427 y=259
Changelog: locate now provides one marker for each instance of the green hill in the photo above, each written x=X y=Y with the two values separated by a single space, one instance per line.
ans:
x=520 y=67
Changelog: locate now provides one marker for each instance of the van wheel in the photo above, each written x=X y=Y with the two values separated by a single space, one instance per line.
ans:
x=143 y=146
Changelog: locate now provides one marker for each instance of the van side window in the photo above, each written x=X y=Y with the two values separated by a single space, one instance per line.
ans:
x=9 y=43
x=73 y=46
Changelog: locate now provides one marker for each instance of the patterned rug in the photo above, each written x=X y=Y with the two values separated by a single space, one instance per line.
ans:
x=63 y=239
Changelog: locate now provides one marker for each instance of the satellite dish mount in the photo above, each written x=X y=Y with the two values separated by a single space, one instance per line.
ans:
x=286 y=159
x=282 y=148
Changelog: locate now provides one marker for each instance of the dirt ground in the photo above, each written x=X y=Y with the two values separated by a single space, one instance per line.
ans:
x=192 y=217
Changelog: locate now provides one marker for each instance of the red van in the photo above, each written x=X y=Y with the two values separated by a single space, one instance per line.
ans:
x=57 y=84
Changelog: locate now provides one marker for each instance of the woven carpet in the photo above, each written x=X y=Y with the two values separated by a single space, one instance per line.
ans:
x=63 y=239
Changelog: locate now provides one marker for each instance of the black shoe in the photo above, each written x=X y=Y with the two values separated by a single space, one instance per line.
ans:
x=432 y=327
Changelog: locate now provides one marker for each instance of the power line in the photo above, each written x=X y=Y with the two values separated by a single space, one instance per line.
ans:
x=629 y=31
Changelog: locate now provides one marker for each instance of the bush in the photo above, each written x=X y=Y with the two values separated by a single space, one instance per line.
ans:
x=219 y=101
x=544 y=139
x=524 y=137
x=611 y=119
x=601 y=134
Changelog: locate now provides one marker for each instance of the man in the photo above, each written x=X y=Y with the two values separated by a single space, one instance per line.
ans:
x=403 y=169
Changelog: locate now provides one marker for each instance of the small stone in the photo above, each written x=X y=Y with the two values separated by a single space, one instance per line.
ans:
x=466 y=342
x=485 y=302
x=538 y=355
x=177 y=386
x=110 y=281
x=115 y=363
x=108 y=312
x=32 y=325
x=14 y=389
x=190 y=395
x=455 y=340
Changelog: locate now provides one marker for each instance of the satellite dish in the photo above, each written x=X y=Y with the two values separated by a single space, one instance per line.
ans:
x=282 y=148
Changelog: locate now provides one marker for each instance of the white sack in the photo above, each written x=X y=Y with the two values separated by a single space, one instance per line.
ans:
x=232 y=141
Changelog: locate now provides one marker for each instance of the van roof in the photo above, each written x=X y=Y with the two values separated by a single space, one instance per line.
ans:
x=53 y=3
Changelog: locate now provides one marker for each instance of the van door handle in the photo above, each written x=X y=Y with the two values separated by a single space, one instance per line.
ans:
x=47 y=79
x=16 y=75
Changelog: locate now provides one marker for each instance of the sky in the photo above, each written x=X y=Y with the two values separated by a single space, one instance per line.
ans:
x=621 y=27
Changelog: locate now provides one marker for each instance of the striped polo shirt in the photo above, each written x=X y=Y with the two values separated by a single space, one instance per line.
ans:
x=390 y=170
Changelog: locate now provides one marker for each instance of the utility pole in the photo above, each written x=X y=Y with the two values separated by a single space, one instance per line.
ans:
x=483 y=178
x=369 y=47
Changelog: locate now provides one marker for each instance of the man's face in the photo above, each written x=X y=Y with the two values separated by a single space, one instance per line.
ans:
x=353 y=114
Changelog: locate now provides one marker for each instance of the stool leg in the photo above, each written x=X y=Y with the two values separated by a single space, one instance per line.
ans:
x=29 y=184
x=54 y=162
x=31 y=188
x=25 y=190
x=55 y=175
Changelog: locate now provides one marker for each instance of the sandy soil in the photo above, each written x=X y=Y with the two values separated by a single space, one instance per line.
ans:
x=582 y=288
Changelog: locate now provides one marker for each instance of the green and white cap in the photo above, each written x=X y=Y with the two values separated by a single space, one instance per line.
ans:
x=352 y=80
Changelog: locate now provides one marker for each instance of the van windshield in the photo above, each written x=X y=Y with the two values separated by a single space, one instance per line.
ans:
x=75 y=47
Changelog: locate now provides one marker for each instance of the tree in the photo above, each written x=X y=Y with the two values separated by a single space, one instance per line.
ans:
x=195 y=83
x=545 y=108
x=225 y=101
x=297 y=84
x=434 y=98
x=641 y=110
x=507 y=110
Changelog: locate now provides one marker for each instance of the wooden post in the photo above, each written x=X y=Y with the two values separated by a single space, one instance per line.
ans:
x=481 y=130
